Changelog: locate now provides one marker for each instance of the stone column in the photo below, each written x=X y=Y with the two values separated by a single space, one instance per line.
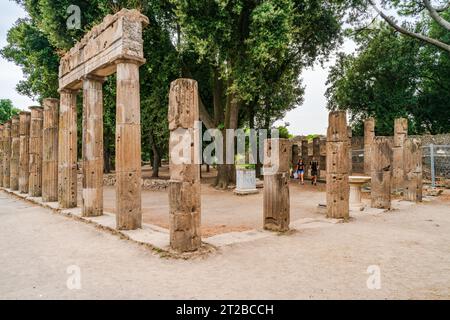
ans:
x=295 y=157
x=67 y=150
x=381 y=173
x=400 y=134
x=50 y=151
x=413 y=181
x=15 y=154
x=369 y=135
x=2 y=128
x=350 y=150
x=128 y=147
x=24 y=155
x=305 y=157
x=338 y=188
x=35 y=186
x=184 y=187
x=316 y=153
x=323 y=157
x=92 y=146
x=276 y=185
x=7 y=154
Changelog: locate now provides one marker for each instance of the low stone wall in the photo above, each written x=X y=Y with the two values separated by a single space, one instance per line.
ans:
x=109 y=180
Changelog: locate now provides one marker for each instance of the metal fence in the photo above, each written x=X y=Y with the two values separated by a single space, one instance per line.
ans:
x=436 y=163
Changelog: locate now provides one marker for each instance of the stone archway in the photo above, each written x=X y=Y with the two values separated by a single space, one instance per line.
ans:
x=113 y=47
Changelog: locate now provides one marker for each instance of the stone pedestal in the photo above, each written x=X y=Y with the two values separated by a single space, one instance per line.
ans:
x=50 y=151
x=184 y=189
x=369 y=135
x=128 y=147
x=245 y=182
x=7 y=154
x=276 y=185
x=356 y=183
x=92 y=147
x=381 y=173
x=413 y=181
x=15 y=154
x=338 y=188
x=35 y=183
x=24 y=155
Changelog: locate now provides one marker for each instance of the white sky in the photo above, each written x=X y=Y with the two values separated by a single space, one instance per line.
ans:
x=309 y=118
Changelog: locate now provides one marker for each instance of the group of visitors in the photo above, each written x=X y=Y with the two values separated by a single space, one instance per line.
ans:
x=300 y=169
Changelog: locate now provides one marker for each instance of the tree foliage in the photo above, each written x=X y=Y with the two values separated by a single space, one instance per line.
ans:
x=7 y=110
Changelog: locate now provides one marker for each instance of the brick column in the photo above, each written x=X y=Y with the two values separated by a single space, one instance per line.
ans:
x=67 y=151
x=400 y=134
x=128 y=147
x=24 y=155
x=15 y=154
x=92 y=146
x=50 y=151
x=369 y=135
x=35 y=186
x=338 y=187
x=184 y=188
x=381 y=173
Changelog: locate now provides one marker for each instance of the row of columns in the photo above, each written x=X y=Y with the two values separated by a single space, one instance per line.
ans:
x=38 y=149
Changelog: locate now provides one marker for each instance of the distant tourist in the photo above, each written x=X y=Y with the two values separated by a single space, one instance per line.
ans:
x=301 y=170
x=314 y=172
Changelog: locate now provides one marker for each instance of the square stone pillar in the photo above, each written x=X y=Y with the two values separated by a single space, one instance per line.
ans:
x=400 y=134
x=50 y=150
x=6 y=154
x=1 y=154
x=35 y=185
x=276 y=185
x=92 y=146
x=381 y=173
x=338 y=187
x=128 y=147
x=15 y=154
x=24 y=155
x=67 y=150
x=413 y=180
x=369 y=135
x=184 y=187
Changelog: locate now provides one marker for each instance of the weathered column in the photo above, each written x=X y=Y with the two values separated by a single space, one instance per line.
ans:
x=338 y=188
x=400 y=134
x=323 y=156
x=369 y=135
x=413 y=181
x=35 y=185
x=381 y=173
x=92 y=146
x=50 y=151
x=67 y=149
x=295 y=157
x=350 y=151
x=276 y=185
x=24 y=155
x=15 y=154
x=7 y=154
x=184 y=187
x=305 y=157
x=2 y=128
x=128 y=147
x=316 y=152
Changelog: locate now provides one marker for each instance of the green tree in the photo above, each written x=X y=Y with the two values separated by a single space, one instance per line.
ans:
x=7 y=110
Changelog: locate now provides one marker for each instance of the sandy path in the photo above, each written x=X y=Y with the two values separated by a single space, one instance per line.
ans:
x=410 y=246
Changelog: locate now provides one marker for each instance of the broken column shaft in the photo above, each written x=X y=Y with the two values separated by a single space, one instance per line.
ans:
x=413 y=180
x=369 y=135
x=50 y=151
x=381 y=173
x=400 y=134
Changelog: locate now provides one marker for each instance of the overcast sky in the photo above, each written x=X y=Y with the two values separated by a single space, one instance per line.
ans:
x=309 y=118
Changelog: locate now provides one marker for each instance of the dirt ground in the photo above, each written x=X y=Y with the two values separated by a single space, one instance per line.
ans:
x=410 y=246
x=222 y=210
